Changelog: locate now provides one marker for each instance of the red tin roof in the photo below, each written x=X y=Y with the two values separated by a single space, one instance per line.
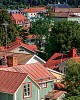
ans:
x=56 y=59
x=34 y=10
x=10 y=81
x=22 y=58
x=35 y=70
x=55 y=94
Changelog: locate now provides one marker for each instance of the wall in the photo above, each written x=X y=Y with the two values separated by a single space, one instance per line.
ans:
x=22 y=50
x=34 y=59
x=61 y=97
x=59 y=76
x=5 y=96
x=32 y=16
x=19 y=93
x=74 y=19
x=45 y=91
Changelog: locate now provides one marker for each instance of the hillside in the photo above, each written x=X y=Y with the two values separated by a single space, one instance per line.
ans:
x=24 y=3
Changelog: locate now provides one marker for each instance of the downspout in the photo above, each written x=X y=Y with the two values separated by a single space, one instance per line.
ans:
x=38 y=94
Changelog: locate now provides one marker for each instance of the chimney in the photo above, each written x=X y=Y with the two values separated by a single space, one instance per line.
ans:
x=18 y=40
x=73 y=52
x=12 y=60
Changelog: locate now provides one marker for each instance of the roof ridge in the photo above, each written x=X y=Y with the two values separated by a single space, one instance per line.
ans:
x=13 y=72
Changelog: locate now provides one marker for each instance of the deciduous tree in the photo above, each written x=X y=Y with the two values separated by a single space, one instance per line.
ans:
x=64 y=35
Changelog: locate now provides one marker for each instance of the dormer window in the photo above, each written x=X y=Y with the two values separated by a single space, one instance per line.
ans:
x=27 y=90
x=43 y=85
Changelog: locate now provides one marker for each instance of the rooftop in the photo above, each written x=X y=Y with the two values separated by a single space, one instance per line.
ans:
x=58 y=5
x=10 y=81
x=54 y=94
x=35 y=70
x=22 y=58
x=58 y=58
x=19 y=17
x=17 y=43
x=34 y=9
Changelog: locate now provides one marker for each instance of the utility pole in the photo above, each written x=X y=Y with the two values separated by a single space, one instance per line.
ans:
x=6 y=24
x=66 y=1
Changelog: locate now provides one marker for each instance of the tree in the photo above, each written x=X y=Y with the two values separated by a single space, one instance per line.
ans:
x=64 y=35
x=72 y=78
x=40 y=26
x=73 y=98
x=11 y=30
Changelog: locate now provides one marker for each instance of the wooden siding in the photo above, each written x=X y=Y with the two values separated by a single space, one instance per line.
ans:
x=45 y=91
x=35 y=88
x=19 y=93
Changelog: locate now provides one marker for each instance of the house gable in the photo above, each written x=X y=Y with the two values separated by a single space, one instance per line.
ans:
x=36 y=59
x=34 y=90
x=21 y=49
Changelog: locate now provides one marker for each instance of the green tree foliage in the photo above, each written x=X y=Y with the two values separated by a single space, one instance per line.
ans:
x=72 y=78
x=19 y=3
x=40 y=27
x=73 y=98
x=11 y=30
x=64 y=35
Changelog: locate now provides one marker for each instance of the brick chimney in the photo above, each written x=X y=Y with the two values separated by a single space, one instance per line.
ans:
x=73 y=52
x=18 y=40
x=12 y=60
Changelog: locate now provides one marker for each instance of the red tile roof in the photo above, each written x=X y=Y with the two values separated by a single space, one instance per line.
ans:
x=34 y=10
x=19 y=43
x=10 y=81
x=19 y=17
x=55 y=94
x=36 y=71
x=56 y=59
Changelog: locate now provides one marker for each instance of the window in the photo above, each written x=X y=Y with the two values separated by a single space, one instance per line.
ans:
x=27 y=90
x=43 y=85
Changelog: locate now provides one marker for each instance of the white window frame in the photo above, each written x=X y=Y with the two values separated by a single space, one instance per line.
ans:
x=43 y=85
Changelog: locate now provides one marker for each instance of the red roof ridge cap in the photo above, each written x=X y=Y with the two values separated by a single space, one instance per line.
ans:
x=12 y=71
